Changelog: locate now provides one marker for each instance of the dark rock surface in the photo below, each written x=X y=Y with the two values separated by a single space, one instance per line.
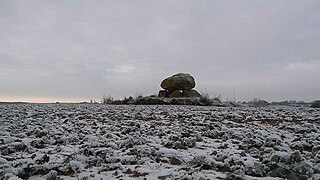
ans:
x=191 y=93
x=175 y=94
x=180 y=81
x=163 y=93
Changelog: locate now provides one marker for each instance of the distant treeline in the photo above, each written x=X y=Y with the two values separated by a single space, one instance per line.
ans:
x=13 y=103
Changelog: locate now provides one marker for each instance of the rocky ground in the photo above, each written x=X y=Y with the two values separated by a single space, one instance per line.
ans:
x=94 y=141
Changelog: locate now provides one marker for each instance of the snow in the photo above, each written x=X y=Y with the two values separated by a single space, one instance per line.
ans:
x=93 y=141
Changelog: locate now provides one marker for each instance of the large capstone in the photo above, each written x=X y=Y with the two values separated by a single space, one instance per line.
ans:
x=180 y=81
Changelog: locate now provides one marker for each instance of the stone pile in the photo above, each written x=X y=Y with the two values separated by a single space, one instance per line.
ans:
x=178 y=85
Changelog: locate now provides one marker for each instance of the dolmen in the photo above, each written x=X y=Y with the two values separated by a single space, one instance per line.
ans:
x=178 y=86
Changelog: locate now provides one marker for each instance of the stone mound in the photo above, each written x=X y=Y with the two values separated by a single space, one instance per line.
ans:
x=178 y=86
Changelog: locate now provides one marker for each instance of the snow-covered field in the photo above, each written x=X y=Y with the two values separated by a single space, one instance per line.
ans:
x=92 y=141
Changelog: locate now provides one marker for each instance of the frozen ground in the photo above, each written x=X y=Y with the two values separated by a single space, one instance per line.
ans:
x=73 y=141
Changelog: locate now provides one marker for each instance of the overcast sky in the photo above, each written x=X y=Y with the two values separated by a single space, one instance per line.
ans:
x=74 y=50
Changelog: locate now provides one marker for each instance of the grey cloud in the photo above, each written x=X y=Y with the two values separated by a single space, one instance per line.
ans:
x=83 y=49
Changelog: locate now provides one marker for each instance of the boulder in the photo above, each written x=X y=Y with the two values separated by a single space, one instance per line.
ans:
x=191 y=93
x=163 y=93
x=180 y=81
x=175 y=94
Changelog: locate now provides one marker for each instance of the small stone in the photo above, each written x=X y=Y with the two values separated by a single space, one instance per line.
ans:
x=203 y=162
x=257 y=169
x=280 y=172
x=233 y=176
x=295 y=176
x=40 y=134
x=52 y=175
x=39 y=144
x=33 y=156
x=295 y=157
x=27 y=172
x=190 y=142
x=12 y=148
x=280 y=159
x=43 y=159
x=303 y=168
x=84 y=178
x=175 y=161
x=316 y=149
x=179 y=145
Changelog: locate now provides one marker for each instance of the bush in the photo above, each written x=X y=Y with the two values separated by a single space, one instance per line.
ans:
x=107 y=100
x=258 y=103
x=149 y=101
x=315 y=104
x=205 y=99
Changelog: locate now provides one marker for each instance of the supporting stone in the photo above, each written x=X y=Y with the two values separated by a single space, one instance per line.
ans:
x=163 y=93
x=191 y=93
x=175 y=94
